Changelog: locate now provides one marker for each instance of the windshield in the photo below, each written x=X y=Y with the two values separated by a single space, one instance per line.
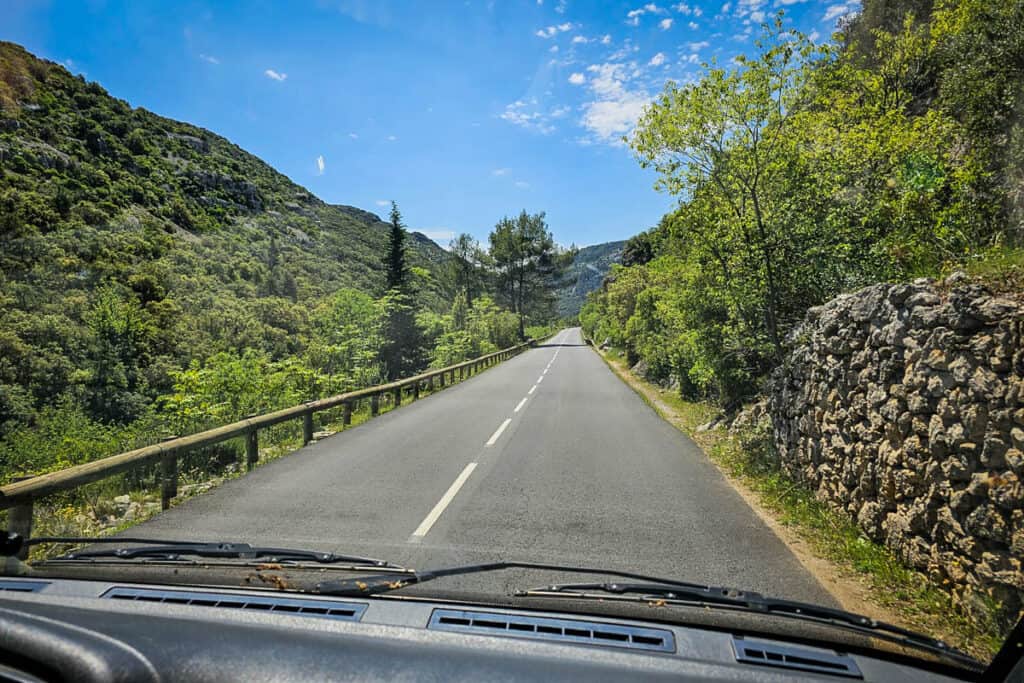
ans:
x=727 y=293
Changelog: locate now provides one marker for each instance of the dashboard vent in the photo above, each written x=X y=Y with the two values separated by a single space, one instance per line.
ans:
x=326 y=609
x=17 y=586
x=796 y=658
x=546 y=628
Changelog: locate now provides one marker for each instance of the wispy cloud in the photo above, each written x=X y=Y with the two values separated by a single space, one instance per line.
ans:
x=633 y=15
x=554 y=30
x=209 y=58
x=522 y=184
x=689 y=10
x=665 y=24
x=835 y=12
x=500 y=171
x=693 y=25
x=320 y=165
x=383 y=202
x=577 y=79
x=527 y=114
x=617 y=104
x=580 y=40
x=657 y=60
x=561 y=6
x=606 y=39
x=698 y=46
x=354 y=136
x=274 y=75
x=391 y=138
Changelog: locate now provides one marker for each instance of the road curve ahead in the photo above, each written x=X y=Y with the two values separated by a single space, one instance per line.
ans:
x=547 y=457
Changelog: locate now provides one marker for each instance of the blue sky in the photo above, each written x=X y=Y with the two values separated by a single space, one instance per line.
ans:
x=462 y=112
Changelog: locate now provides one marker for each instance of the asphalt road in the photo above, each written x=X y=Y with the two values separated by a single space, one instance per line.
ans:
x=547 y=457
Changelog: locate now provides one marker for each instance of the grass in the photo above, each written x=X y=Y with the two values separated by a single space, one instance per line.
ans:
x=1001 y=269
x=919 y=602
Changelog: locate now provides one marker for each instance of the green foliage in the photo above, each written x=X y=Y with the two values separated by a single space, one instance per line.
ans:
x=806 y=171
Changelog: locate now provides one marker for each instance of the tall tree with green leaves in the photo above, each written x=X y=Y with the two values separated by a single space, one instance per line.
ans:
x=468 y=266
x=402 y=352
x=527 y=263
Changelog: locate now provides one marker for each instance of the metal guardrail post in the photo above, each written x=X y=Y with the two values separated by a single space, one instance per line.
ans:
x=398 y=396
x=19 y=520
x=168 y=477
x=346 y=413
x=416 y=390
x=252 y=448
x=375 y=405
x=307 y=427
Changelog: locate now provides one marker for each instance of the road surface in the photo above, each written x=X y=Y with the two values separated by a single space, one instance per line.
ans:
x=547 y=457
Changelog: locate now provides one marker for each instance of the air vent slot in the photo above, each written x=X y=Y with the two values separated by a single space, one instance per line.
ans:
x=324 y=609
x=796 y=658
x=18 y=586
x=560 y=630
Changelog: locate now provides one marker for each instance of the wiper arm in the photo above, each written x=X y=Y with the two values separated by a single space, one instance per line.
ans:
x=756 y=602
x=658 y=589
x=177 y=550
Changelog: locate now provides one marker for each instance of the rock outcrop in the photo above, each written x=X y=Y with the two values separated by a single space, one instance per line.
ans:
x=903 y=406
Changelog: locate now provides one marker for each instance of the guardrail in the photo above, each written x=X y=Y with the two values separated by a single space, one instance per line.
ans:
x=19 y=496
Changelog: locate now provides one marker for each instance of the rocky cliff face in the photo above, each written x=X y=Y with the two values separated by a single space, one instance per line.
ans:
x=903 y=406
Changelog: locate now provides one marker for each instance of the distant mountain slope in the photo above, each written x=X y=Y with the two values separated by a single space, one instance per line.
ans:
x=103 y=202
x=585 y=275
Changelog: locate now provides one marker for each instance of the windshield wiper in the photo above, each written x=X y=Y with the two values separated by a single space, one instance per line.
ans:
x=658 y=589
x=155 y=549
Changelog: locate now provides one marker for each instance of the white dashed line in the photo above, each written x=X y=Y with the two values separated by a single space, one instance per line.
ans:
x=540 y=379
x=532 y=389
x=446 y=499
x=518 y=407
x=497 y=434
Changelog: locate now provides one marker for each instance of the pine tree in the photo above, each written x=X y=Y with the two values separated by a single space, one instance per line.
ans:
x=397 y=268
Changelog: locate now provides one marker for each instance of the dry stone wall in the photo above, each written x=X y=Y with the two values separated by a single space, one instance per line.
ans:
x=903 y=406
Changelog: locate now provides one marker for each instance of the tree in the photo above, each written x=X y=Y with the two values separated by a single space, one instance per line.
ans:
x=467 y=266
x=728 y=137
x=527 y=264
x=402 y=352
x=395 y=260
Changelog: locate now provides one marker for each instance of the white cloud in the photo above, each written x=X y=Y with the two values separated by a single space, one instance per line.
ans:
x=657 y=60
x=206 y=58
x=683 y=8
x=522 y=184
x=577 y=79
x=834 y=12
x=693 y=58
x=606 y=39
x=554 y=30
x=382 y=202
x=500 y=171
x=580 y=40
x=698 y=46
x=726 y=7
x=559 y=112
x=665 y=24
x=553 y=48
x=693 y=25
x=525 y=114
x=354 y=136
x=438 y=233
x=560 y=7
x=320 y=165
x=616 y=105
x=633 y=15
x=813 y=36
x=392 y=138
x=757 y=16
x=274 y=75
x=787 y=2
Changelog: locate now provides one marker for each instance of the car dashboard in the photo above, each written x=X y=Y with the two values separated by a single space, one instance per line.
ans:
x=86 y=630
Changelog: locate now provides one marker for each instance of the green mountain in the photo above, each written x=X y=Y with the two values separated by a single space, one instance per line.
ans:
x=585 y=274
x=111 y=214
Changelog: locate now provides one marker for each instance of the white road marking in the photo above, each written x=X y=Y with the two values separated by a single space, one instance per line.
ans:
x=532 y=389
x=540 y=379
x=497 y=434
x=446 y=499
x=545 y=371
x=518 y=407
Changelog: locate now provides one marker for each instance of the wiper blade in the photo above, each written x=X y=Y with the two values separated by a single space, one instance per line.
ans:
x=755 y=602
x=653 y=588
x=154 y=549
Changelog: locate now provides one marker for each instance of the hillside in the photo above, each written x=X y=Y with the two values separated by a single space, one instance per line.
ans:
x=585 y=275
x=111 y=214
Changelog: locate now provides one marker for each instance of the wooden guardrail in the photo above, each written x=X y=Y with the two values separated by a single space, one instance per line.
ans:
x=19 y=496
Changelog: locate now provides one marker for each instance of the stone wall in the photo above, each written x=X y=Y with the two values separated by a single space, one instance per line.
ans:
x=903 y=406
